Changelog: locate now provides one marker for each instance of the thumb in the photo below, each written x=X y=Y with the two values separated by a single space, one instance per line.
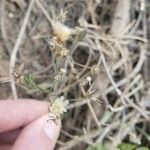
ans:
x=39 y=134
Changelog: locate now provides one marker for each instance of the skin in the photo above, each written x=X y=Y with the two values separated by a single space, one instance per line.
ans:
x=24 y=126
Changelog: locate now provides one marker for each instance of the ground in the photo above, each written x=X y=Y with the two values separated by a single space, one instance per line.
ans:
x=94 y=53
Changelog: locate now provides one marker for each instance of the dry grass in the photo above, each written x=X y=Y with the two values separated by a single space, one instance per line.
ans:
x=114 y=104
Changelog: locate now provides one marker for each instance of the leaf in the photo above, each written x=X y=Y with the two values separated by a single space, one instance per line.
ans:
x=97 y=147
x=29 y=80
x=142 y=148
x=126 y=146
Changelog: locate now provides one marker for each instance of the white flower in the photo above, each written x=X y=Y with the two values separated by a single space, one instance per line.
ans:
x=59 y=106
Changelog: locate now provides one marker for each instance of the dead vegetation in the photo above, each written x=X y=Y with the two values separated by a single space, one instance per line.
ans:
x=106 y=73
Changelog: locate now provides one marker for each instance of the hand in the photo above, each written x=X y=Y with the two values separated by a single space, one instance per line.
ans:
x=24 y=126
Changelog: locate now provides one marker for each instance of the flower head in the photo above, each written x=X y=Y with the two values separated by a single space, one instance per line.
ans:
x=59 y=106
x=58 y=49
x=61 y=31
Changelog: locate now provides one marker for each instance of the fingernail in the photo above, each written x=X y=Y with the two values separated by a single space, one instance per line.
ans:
x=51 y=130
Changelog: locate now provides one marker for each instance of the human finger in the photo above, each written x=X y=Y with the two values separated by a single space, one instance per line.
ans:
x=5 y=147
x=10 y=136
x=39 y=134
x=17 y=113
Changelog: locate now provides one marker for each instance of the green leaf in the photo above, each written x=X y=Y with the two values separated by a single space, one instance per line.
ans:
x=142 y=148
x=126 y=146
x=97 y=147
x=29 y=80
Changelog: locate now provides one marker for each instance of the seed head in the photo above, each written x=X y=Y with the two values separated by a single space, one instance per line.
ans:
x=58 y=49
x=89 y=79
x=61 y=31
x=95 y=69
x=62 y=71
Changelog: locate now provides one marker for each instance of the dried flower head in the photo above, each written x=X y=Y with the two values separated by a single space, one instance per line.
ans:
x=58 y=49
x=61 y=31
x=17 y=73
x=85 y=81
x=89 y=79
x=60 y=75
x=63 y=71
x=59 y=107
x=95 y=69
